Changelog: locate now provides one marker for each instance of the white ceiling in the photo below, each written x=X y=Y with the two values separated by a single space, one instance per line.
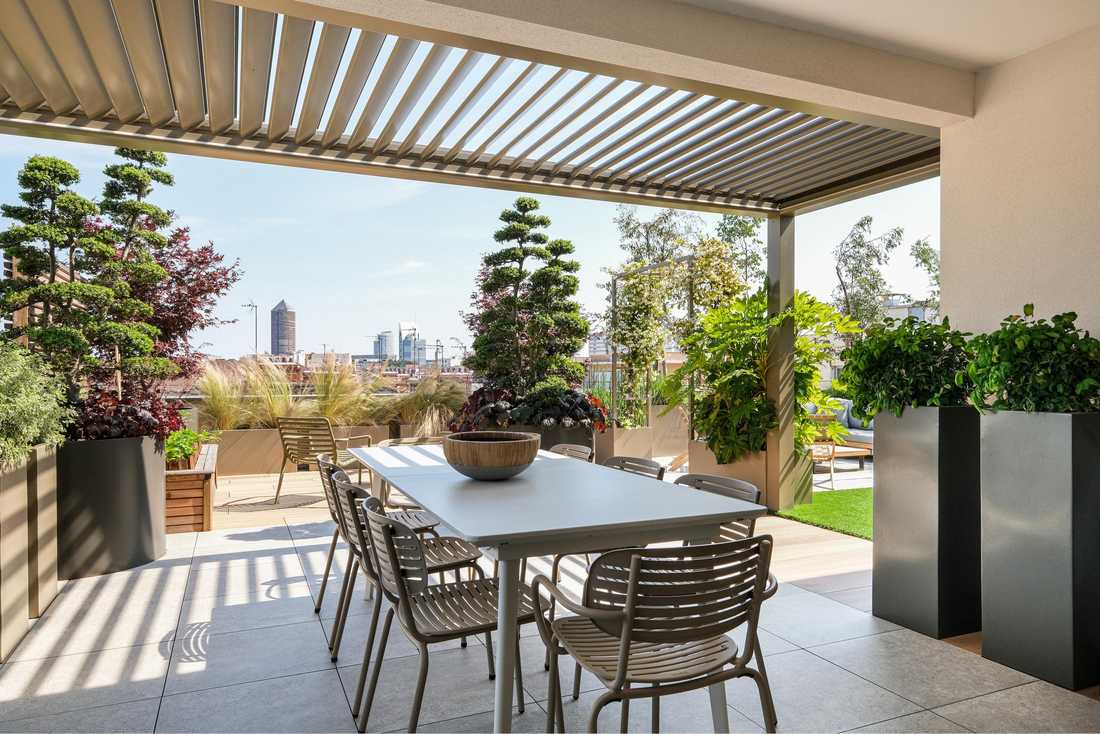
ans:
x=966 y=34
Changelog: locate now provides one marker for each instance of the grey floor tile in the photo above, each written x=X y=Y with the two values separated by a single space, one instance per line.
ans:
x=354 y=640
x=202 y=660
x=922 y=722
x=682 y=712
x=308 y=533
x=271 y=572
x=536 y=679
x=227 y=539
x=135 y=716
x=1034 y=707
x=105 y=612
x=458 y=685
x=310 y=702
x=835 y=582
x=770 y=644
x=928 y=672
x=807 y=619
x=74 y=682
x=236 y=612
x=856 y=598
x=812 y=694
x=533 y=720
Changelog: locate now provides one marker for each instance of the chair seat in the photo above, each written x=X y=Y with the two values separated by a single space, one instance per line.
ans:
x=464 y=608
x=446 y=554
x=345 y=460
x=419 y=521
x=649 y=662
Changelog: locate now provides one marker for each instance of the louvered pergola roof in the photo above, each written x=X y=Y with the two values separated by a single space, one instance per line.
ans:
x=213 y=78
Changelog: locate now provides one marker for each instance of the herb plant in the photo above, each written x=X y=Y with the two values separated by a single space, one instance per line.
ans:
x=182 y=444
x=907 y=363
x=1036 y=365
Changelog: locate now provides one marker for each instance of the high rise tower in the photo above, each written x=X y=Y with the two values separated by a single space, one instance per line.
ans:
x=283 y=332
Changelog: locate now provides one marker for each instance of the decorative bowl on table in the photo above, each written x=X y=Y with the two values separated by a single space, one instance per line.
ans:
x=490 y=455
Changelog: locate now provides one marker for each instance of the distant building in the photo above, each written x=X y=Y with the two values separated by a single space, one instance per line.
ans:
x=283 y=331
x=383 y=346
x=900 y=306
x=411 y=348
x=598 y=344
x=326 y=360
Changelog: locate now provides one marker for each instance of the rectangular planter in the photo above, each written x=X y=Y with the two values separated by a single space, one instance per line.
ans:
x=42 y=528
x=671 y=432
x=552 y=436
x=624 y=442
x=927 y=522
x=189 y=494
x=259 y=450
x=111 y=505
x=1040 y=512
x=752 y=468
x=14 y=556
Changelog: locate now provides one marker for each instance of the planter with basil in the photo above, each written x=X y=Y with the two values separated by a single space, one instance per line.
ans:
x=32 y=417
x=727 y=354
x=926 y=573
x=1038 y=383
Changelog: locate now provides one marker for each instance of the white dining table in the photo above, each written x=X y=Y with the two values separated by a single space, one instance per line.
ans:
x=558 y=505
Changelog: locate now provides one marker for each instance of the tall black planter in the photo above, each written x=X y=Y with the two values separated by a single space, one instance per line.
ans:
x=1041 y=544
x=927 y=574
x=551 y=436
x=111 y=505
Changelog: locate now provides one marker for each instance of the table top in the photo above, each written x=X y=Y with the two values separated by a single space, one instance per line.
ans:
x=555 y=497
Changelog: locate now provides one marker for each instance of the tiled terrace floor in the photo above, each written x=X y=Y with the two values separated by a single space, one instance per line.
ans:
x=220 y=635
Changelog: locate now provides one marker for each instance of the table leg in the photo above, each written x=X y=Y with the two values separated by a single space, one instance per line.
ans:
x=719 y=714
x=506 y=646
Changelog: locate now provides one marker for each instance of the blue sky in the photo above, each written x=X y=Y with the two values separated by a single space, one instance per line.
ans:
x=354 y=254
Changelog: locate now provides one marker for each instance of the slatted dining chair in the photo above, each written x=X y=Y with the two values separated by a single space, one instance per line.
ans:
x=392 y=498
x=737 y=529
x=653 y=622
x=637 y=465
x=430 y=614
x=304 y=439
x=573 y=451
x=326 y=469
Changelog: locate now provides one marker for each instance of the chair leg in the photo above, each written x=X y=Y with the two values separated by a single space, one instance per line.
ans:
x=489 y=654
x=655 y=723
x=279 y=486
x=364 y=714
x=418 y=697
x=766 y=701
x=340 y=600
x=577 y=681
x=554 y=692
x=338 y=634
x=597 y=707
x=328 y=568
x=519 y=675
x=624 y=716
x=375 y=613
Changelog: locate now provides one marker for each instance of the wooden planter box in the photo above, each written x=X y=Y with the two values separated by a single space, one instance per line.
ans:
x=752 y=468
x=28 y=544
x=189 y=494
x=624 y=442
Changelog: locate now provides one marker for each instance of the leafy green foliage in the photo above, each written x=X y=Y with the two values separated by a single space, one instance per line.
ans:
x=1036 y=365
x=552 y=403
x=526 y=324
x=861 y=286
x=741 y=235
x=184 y=443
x=639 y=337
x=928 y=260
x=728 y=355
x=32 y=404
x=908 y=363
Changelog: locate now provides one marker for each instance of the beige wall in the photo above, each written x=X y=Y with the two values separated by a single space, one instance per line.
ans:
x=1020 y=190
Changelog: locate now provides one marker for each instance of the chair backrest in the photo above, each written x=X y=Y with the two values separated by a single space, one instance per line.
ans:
x=573 y=451
x=326 y=469
x=304 y=438
x=398 y=557
x=727 y=487
x=637 y=465
x=347 y=497
x=681 y=594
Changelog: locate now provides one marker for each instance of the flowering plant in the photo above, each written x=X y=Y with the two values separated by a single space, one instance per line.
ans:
x=552 y=403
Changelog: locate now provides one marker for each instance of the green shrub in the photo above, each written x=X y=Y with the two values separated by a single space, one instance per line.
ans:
x=1036 y=365
x=32 y=404
x=181 y=445
x=908 y=363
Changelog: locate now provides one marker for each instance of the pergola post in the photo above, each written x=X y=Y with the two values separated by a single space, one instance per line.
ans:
x=786 y=475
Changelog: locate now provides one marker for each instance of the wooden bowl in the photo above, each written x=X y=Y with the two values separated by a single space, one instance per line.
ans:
x=490 y=455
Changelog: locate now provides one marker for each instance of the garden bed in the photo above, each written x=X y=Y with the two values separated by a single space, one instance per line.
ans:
x=189 y=494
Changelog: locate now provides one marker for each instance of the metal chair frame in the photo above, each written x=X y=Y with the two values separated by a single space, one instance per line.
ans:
x=574 y=451
x=304 y=439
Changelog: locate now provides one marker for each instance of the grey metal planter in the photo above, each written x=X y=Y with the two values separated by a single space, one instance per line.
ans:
x=927 y=529
x=551 y=436
x=111 y=505
x=1041 y=544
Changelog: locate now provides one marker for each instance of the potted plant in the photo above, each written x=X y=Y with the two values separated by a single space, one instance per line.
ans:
x=901 y=374
x=1037 y=383
x=32 y=421
x=191 y=459
x=728 y=357
x=559 y=414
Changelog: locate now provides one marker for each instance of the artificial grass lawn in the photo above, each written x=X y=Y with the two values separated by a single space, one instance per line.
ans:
x=846 y=511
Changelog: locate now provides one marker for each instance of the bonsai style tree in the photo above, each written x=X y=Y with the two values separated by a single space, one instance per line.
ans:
x=525 y=322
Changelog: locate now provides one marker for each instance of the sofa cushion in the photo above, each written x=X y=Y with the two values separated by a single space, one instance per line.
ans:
x=855 y=422
x=860 y=435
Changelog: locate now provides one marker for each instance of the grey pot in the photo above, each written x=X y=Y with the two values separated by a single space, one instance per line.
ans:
x=110 y=505
x=927 y=521
x=1041 y=544
x=552 y=436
